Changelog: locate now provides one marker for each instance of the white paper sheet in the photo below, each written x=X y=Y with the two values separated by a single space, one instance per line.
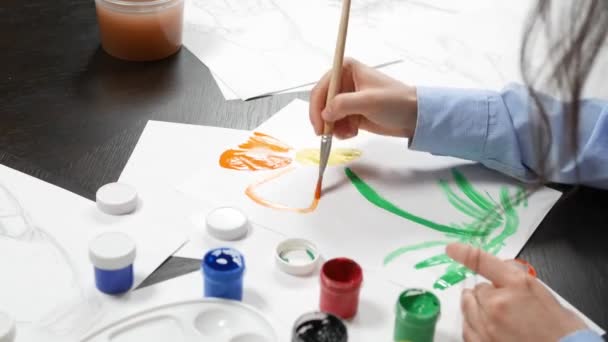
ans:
x=185 y=148
x=229 y=95
x=408 y=179
x=258 y=47
x=52 y=287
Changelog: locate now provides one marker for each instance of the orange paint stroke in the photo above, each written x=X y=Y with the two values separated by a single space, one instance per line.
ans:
x=265 y=141
x=250 y=192
x=245 y=160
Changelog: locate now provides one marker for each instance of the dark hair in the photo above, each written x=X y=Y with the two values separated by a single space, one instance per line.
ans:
x=573 y=32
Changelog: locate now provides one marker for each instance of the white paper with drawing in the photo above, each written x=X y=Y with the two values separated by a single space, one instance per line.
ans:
x=47 y=280
x=383 y=205
x=257 y=47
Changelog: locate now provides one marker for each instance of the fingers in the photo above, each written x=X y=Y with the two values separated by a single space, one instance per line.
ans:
x=469 y=334
x=473 y=313
x=495 y=270
x=347 y=127
x=345 y=104
x=318 y=97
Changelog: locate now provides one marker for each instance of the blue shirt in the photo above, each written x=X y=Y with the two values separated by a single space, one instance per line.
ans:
x=495 y=129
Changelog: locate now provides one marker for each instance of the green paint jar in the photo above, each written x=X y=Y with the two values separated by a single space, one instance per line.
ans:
x=417 y=314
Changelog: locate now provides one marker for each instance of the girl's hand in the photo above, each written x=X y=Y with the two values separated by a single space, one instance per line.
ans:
x=515 y=307
x=368 y=100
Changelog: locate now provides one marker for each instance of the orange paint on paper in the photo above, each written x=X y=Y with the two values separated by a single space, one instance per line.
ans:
x=258 y=153
x=246 y=160
x=250 y=192
x=264 y=152
x=264 y=141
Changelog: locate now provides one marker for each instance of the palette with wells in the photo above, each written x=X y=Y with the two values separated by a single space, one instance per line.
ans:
x=197 y=320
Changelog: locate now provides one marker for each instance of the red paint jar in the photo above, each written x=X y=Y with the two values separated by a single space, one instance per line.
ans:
x=341 y=280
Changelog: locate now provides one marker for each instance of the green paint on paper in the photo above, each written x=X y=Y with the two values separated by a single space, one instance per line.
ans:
x=521 y=196
x=452 y=277
x=434 y=261
x=399 y=251
x=488 y=218
x=470 y=192
x=371 y=195
x=459 y=203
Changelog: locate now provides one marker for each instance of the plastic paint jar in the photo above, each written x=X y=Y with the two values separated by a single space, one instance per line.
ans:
x=417 y=314
x=140 y=30
x=319 y=327
x=113 y=255
x=223 y=270
x=341 y=280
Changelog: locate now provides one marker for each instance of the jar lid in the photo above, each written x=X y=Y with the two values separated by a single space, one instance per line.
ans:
x=296 y=256
x=116 y=198
x=227 y=223
x=223 y=264
x=7 y=328
x=112 y=251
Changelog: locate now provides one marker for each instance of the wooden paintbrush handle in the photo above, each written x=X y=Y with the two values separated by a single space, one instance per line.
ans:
x=335 y=83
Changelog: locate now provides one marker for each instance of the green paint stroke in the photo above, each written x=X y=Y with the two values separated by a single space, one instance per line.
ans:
x=433 y=261
x=400 y=251
x=372 y=196
x=488 y=217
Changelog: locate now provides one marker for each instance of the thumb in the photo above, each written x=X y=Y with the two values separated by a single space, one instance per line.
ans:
x=346 y=104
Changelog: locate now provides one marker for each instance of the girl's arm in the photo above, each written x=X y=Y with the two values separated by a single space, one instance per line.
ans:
x=495 y=128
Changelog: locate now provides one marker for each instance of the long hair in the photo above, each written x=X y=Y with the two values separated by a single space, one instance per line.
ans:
x=571 y=33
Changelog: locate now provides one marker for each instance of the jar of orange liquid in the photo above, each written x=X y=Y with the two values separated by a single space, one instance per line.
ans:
x=140 y=30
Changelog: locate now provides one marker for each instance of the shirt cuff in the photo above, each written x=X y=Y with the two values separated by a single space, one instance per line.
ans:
x=452 y=122
x=586 y=335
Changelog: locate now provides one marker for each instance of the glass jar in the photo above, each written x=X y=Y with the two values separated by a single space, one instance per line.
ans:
x=140 y=30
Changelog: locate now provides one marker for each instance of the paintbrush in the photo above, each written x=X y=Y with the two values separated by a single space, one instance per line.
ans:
x=334 y=88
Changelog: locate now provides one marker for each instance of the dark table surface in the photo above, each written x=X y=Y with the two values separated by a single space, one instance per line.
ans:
x=71 y=115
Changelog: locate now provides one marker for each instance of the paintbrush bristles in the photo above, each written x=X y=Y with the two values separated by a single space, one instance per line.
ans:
x=318 y=188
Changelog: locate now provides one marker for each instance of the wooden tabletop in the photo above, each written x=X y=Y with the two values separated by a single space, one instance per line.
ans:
x=71 y=115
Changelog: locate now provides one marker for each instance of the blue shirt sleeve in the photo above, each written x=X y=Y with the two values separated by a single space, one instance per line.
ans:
x=582 y=336
x=496 y=129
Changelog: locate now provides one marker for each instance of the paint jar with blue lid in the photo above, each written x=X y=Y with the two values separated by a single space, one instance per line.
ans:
x=223 y=271
x=112 y=255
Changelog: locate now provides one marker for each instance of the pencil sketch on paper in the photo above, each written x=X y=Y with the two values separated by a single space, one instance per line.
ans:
x=40 y=284
x=264 y=152
x=490 y=224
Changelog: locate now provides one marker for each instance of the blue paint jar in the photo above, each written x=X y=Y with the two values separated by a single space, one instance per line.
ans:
x=112 y=255
x=223 y=270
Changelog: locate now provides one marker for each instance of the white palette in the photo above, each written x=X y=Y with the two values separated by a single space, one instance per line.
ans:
x=197 y=320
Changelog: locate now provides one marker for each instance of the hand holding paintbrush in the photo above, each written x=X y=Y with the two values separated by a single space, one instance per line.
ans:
x=334 y=88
